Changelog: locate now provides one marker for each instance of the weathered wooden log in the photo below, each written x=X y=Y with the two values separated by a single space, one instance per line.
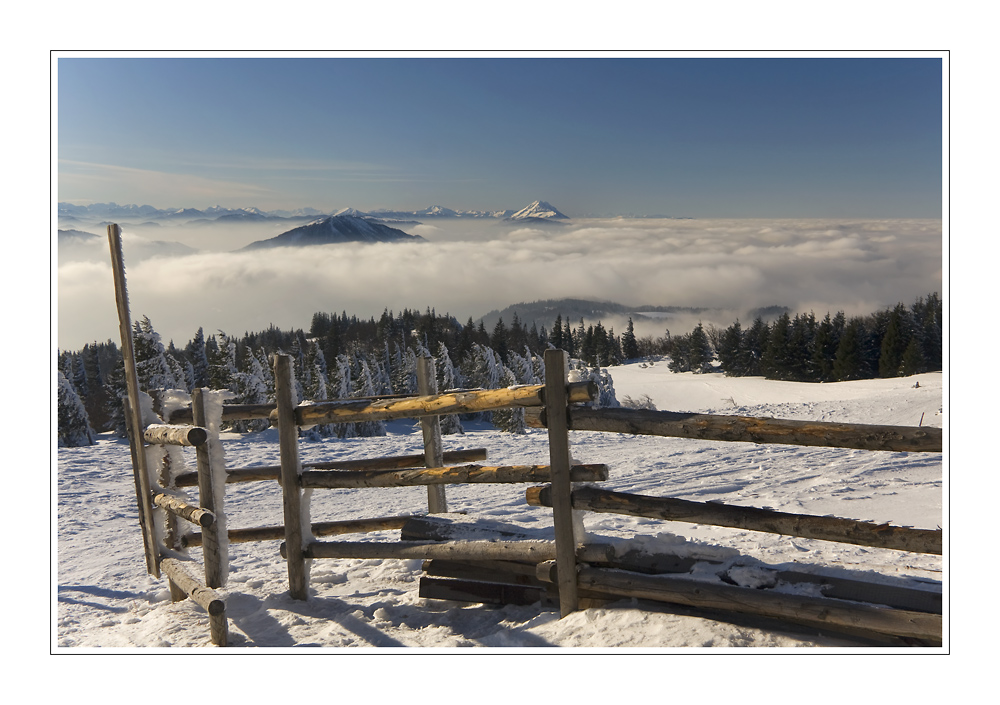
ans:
x=397 y=462
x=461 y=474
x=323 y=528
x=800 y=609
x=430 y=427
x=638 y=561
x=438 y=528
x=489 y=593
x=750 y=518
x=178 y=507
x=291 y=495
x=133 y=410
x=212 y=550
x=435 y=405
x=531 y=551
x=165 y=434
x=748 y=429
x=510 y=572
x=248 y=412
x=556 y=407
x=206 y=597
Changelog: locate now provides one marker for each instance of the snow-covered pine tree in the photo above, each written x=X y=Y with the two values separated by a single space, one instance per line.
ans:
x=447 y=378
x=151 y=364
x=73 y=424
x=606 y=396
x=342 y=389
x=365 y=387
x=116 y=390
x=251 y=382
x=196 y=353
x=630 y=346
x=509 y=420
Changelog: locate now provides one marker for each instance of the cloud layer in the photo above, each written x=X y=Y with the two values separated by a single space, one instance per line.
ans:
x=732 y=265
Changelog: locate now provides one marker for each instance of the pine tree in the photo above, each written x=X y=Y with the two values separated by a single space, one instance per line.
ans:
x=151 y=364
x=824 y=350
x=849 y=363
x=913 y=359
x=498 y=341
x=699 y=351
x=73 y=425
x=510 y=420
x=894 y=343
x=447 y=378
x=630 y=347
x=729 y=350
x=775 y=360
x=754 y=344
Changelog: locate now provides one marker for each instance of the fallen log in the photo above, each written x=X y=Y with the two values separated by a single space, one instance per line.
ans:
x=819 y=611
x=750 y=518
x=748 y=429
x=462 y=474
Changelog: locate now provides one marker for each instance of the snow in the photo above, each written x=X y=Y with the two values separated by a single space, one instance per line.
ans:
x=107 y=601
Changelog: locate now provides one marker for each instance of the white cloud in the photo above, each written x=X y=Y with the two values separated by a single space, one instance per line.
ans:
x=734 y=265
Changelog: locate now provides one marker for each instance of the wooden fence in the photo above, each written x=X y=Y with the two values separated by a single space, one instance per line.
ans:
x=572 y=569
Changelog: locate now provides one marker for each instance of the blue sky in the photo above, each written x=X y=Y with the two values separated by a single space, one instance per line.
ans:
x=701 y=137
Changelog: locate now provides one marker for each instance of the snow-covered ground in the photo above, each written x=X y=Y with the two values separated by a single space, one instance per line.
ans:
x=106 y=599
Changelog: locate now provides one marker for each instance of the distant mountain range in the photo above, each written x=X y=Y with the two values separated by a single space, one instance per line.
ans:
x=69 y=213
x=335 y=229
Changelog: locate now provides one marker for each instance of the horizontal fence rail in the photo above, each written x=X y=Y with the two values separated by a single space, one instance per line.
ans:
x=461 y=474
x=249 y=412
x=321 y=528
x=164 y=434
x=751 y=518
x=749 y=429
x=396 y=462
x=434 y=405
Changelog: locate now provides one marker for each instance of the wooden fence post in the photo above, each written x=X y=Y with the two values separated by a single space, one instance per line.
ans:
x=556 y=407
x=133 y=418
x=211 y=548
x=431 y=427
x=288 y=448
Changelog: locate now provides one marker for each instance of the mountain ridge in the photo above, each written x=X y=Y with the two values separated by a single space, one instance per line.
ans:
x=334 y=229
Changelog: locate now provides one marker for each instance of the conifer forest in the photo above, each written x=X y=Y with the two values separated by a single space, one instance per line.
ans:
x=342 y=356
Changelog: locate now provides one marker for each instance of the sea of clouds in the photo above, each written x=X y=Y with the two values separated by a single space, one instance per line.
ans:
x=469 y=268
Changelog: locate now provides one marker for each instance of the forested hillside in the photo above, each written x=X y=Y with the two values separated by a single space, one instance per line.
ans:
x=342 y=356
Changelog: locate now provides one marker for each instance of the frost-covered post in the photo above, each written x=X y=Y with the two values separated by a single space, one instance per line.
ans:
x=556 y=407
x=431 y=426
x=210 y=543
x=288 y=448
x=133 y=416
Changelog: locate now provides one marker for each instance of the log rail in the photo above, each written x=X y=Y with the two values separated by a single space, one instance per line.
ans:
x=749 y=429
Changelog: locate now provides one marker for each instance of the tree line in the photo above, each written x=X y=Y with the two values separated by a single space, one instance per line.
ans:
x=339 y=357
x=897 y=341
x=343 y=356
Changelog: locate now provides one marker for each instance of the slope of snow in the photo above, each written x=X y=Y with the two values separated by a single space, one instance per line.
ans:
x=106 y=599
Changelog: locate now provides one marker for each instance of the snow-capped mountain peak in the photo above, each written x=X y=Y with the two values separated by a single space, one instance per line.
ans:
x=538 y=209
